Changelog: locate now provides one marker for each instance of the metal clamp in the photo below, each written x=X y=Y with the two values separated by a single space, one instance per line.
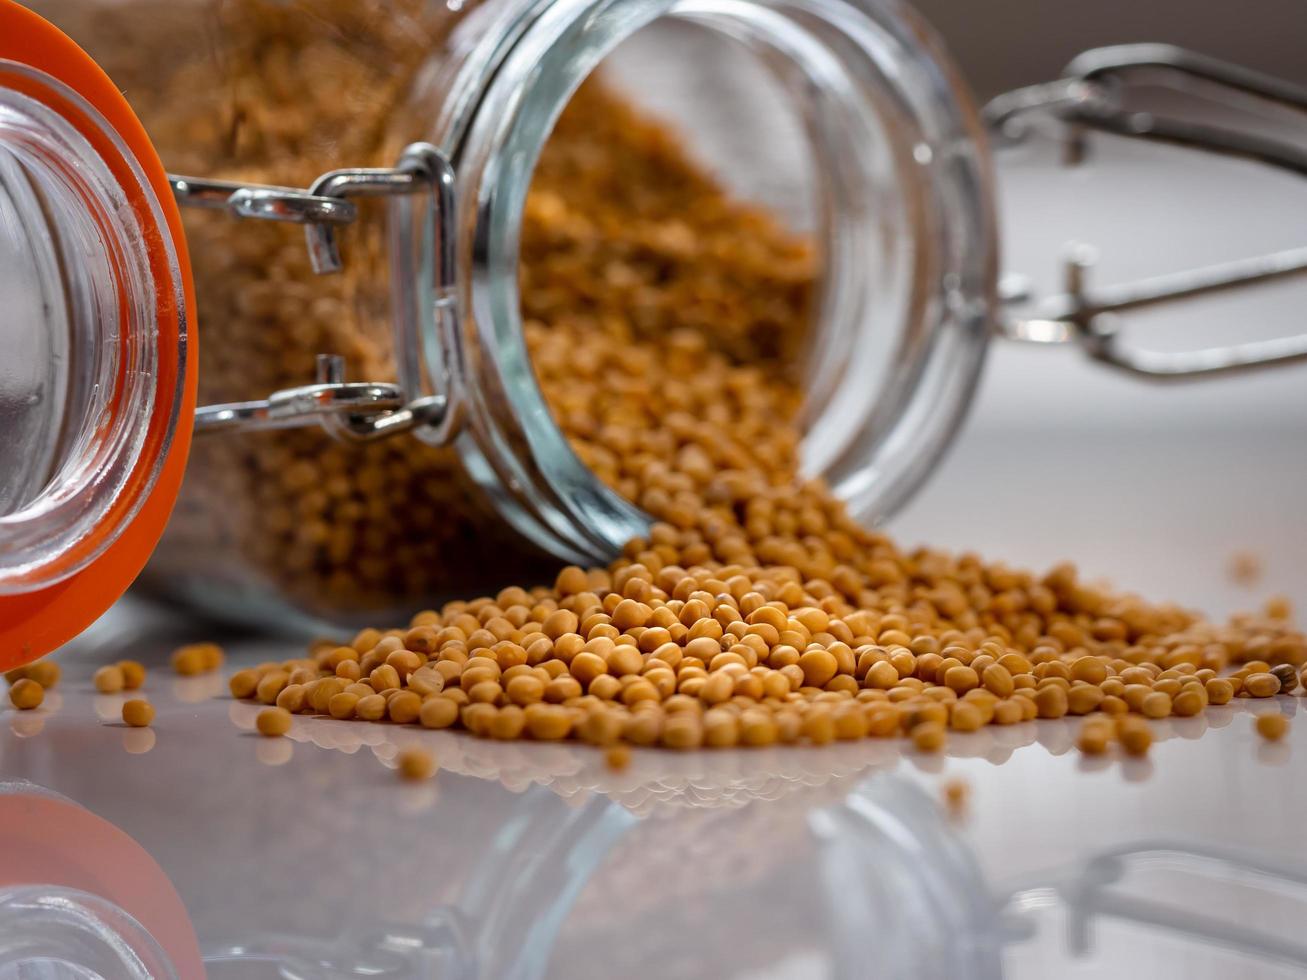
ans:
x=1090 y=98
x=423 y=299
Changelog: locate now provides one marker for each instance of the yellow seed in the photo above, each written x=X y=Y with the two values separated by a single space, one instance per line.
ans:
x=508 y=723
x=195 y=658
x=818 y=667
x=929 y=736
x=342 y=706
x=138 y=713
x=600 y=726
x=384 y=678
x=1094 y=738
x=108 y=679
x=1219 y=690
x=525 y=689
x=1189 y=702
x=133 y=672
x=1135 y=736
x=961 y=679
x=547 y=722
x=1091 y=670
x=643 y=727
x=682 y=731
x=320 y=692
x=966 y=717
x=1084 y=698
x=415 y=763
x=243 y=684
x=1051 y=702
x=26 y=694
x=372 y=707
x=617 y=758
x=270 y=685
x=1156 y=705
x=44 y=672
x=273 y=721
x=1271 y=726
x=291 y=698
x=1262 y=685
x=404 y=707
x=758 y=728
x=997 y=680
x=818 y=727
x=957 y=794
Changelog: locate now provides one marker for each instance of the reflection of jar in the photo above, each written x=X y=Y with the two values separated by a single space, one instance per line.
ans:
x=422 y=459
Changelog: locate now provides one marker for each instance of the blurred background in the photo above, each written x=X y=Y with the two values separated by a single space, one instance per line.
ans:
x=1007 y=43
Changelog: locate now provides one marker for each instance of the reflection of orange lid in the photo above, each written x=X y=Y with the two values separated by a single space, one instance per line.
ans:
x=56 y=843
x=115 y=549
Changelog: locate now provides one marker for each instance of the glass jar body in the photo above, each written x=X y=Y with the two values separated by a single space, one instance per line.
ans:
x=876 y=314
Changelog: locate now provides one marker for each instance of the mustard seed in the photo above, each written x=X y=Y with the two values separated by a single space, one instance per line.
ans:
x=25 y=694
x=45 y=672
x=617 y=758
x=415 y=763
x=1135 y=736
x=1262 y=685
x=1271 y=726
x=272 y=722
x=133 y=674
x=929 y=736
x=1284 y=673
x=108 y=679
x=138 y=713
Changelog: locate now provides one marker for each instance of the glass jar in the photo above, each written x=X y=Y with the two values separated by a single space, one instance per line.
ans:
x=375 y=438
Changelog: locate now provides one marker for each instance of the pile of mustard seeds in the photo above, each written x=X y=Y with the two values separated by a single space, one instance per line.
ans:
x=721 y=655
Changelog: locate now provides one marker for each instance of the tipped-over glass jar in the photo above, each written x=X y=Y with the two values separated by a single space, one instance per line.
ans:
x=414 y=396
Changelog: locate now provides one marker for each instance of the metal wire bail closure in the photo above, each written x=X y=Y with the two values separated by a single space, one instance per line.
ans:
x=426 y=399
x=1089 y=97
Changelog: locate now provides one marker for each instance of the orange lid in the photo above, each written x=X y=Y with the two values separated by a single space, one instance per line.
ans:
x=40 y=62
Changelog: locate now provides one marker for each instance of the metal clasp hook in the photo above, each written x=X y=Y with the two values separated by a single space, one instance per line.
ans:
x=428 y=344
x=1089 y=98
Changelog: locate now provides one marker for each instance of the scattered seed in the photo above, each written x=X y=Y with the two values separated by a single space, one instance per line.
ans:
x=26 y=694
x=415 y=763
x=273 y=721
x=133 y=674
x=1271 y=726
x=138 y=713
x=108 y=679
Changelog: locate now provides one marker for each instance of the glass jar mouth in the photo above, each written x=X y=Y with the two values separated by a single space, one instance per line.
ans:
x=95 y=389
x=907 y=235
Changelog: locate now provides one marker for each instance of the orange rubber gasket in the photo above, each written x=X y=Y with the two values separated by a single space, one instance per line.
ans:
x=34 y=623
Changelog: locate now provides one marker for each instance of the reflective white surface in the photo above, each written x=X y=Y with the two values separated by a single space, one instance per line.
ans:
x=535 y=860
x=307 y=857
